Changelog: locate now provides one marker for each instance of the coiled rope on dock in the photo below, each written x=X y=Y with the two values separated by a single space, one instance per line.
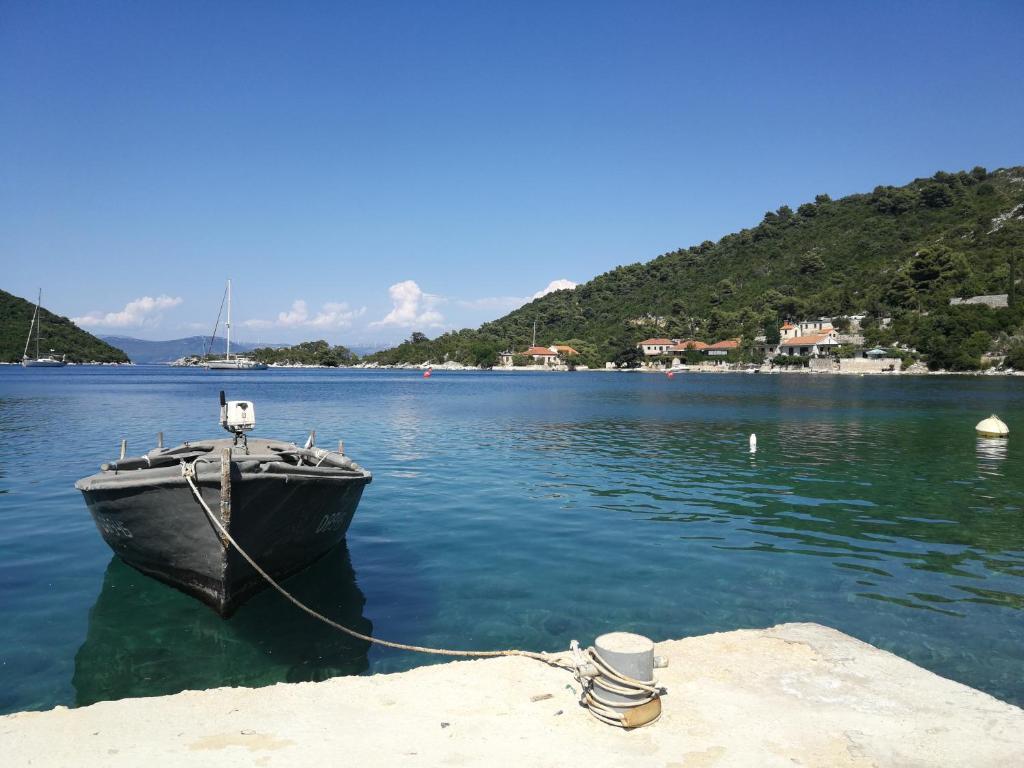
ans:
x=614 y=682
x=585 y=664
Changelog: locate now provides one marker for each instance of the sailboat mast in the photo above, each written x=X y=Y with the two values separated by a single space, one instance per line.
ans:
x=31 y=326
x=534 y=334
x=228 y=356
x=39 y=320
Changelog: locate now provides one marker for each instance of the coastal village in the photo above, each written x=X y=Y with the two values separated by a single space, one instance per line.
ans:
x=811 y=345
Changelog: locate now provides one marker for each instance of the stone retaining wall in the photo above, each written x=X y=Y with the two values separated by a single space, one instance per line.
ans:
x=866 y=365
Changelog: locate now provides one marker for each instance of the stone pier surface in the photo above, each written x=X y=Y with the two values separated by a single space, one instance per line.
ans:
x=792 y=695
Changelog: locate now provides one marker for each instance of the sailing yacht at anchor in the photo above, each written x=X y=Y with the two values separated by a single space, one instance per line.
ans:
x=39 y=362
x=229 y=363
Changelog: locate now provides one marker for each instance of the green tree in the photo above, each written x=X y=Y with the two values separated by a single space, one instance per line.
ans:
x=901 y=292
x=1015 y=357
x=894 y=201
x=630 y=357
x=811 y=263
x=937 y=270
x=936 y=196
x=1012 y=287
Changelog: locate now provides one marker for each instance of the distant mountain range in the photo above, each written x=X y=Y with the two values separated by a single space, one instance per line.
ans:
x=143 y=352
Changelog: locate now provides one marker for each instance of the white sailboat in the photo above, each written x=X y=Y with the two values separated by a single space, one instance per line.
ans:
x=39 y=362
x=229 y=363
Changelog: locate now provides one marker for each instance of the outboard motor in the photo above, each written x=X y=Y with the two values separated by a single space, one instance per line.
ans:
x=237 y=417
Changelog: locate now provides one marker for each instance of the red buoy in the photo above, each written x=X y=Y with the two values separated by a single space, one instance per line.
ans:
x=426 y=374
x=670 y=374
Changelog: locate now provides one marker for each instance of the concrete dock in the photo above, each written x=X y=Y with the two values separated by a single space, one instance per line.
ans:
x=792 y=695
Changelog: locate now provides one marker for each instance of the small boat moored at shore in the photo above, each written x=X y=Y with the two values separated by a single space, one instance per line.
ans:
x=286 y=505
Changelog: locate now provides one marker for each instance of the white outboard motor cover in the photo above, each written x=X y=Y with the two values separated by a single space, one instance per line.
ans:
x=239 y=416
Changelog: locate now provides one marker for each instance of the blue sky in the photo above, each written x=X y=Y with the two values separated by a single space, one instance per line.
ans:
x=365 y=170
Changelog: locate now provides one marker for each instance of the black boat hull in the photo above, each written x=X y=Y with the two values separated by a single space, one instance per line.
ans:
x=285 y=522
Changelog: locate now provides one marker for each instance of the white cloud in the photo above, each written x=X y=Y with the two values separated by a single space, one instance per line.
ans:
x=142 y=312
x=331 y=315
x=411 y=307
x=507 y=303
x=555 y=285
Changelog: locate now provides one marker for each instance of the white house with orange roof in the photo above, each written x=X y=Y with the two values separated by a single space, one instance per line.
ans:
x=543 y=355
x=553 y=355
x=564 y=350
x=655 y=347
x=814 y=344
x=818 y=337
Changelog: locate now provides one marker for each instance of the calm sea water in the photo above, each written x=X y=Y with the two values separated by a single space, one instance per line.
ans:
x=524 y=510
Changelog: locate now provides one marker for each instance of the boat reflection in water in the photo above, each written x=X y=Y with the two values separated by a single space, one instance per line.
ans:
x=991 y=454
x=146 y=640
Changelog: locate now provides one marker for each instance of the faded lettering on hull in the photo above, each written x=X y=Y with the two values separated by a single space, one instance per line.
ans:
x=331 y=522
x=112 y=527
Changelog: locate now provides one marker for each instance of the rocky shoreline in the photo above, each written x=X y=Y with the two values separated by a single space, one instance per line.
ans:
x=914 y=370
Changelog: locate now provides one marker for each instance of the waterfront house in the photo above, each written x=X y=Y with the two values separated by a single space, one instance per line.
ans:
x=686 y=345
x=805 y=328
x=553 y=355
x=790 y=332
x=544 y=355
x=656 y=347
x=811 y=345
x=721 y=348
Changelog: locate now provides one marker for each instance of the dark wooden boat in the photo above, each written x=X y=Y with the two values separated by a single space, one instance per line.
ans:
x=285 y=505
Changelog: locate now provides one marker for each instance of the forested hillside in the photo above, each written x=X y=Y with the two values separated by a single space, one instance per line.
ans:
x=899 y=252
x=307 y=353
x=58 y=334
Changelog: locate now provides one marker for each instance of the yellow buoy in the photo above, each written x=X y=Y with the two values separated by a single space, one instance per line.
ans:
x=993 y=426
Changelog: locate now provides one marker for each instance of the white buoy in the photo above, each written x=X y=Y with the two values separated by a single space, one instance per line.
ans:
x=993 y=426
x=753 y=443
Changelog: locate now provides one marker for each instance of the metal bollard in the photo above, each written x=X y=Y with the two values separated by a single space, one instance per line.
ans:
x=632 y=656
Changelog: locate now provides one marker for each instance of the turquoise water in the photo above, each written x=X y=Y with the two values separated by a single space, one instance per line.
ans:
x=524 y=510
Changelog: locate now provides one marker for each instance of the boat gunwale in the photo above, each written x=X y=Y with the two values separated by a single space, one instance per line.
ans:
x=160 y=467
x=163 y=476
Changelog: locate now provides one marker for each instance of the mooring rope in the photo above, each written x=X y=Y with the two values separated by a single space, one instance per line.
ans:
x=600 y=708
x=614 y=682
x=188 y=472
